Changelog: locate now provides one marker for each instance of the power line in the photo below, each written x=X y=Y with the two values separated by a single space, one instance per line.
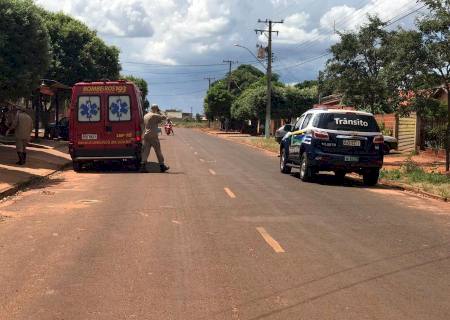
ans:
x=172 y=73
x=390 y=22
x=329 y=53
x=174 y=65
x=176 y=94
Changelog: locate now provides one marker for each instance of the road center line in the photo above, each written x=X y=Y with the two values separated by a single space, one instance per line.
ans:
x=270 y=241
x=202 y=160
x=229 y=193
x=212 y=172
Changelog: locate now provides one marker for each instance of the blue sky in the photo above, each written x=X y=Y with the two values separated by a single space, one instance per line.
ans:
x=175 y=44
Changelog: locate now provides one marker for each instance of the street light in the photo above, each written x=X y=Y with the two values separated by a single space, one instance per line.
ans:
x=250 y=51
x=269 y=87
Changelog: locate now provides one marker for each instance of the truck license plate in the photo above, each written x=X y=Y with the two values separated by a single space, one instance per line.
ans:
x=89 y=136
x=352 y=143
x=351 y=159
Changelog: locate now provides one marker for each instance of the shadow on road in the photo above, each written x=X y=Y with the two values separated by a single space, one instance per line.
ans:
x=329 y=179
x=120 y=168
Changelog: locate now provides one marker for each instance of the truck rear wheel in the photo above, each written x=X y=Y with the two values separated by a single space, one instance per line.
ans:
x=306 y=171
x=370 y=177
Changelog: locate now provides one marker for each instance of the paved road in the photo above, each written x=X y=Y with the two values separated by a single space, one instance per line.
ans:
x=223 y=236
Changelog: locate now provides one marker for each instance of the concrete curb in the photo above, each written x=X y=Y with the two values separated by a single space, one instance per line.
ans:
x=24 y=184
x=382 y=182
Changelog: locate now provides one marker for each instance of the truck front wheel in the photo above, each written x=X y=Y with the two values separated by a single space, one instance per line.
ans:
x=283 y=162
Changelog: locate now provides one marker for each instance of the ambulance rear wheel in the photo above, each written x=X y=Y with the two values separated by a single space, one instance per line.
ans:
x=76 y=166
x=137 y=164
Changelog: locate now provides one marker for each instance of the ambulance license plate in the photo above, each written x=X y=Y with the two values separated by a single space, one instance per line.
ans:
x=352 y=143
x=89 y=136
x=351 y=159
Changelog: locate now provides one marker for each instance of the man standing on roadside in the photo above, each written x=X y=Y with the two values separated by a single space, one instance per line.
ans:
x=22 y=124
x=150 y=139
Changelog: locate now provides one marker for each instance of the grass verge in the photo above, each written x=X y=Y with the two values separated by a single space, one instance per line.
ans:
x=263 y=143
x=413 y=175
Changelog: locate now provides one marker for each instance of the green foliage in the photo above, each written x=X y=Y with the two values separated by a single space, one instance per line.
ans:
x=435 y=136
x=299 y=100
x=252 y=104
x=141 y=83
x=403 y=68
x=77 y=52
x=307 y=84
x=218 y=102
x=24 y=48
x=356 y=66
x=435 y=28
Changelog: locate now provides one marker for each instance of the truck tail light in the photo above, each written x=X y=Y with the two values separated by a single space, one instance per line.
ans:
x=321 y=135
x=378 y=140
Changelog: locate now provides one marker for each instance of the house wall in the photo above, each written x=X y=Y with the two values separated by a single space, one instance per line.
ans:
x=388 y=121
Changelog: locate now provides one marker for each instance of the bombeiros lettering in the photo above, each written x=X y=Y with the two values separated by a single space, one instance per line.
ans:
x=355 y=122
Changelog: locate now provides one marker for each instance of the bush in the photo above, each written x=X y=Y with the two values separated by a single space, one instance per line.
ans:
x=435 y=137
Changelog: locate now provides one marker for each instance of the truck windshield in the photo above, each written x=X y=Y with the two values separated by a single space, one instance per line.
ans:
x=346 y=122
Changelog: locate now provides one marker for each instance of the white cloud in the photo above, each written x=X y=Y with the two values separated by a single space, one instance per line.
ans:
x=177 y=32
x=346 y=18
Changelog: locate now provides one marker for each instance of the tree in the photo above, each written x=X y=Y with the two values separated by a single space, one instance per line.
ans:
x=218 y=102
x=77 y=52
x=299 y=100
x=243 y=77
x=435 y=28
x=143 y=87
x=252 y=104
x=403 y=70
x=24 y=49
x=356 y=65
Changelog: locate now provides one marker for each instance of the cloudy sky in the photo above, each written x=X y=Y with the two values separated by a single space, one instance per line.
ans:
x=175 y=44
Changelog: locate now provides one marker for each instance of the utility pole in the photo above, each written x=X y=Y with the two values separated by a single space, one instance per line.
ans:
x=209 y=87
x=269 y=70
x=209 y=81
x=230 y=62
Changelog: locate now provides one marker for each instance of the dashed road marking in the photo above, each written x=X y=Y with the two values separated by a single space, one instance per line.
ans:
x=229 y=193
x=196 y=153
x=202 y=160
x=270 y=241
x=212 y=172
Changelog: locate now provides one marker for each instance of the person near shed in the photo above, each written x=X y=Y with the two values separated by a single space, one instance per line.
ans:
x=22 y=124
x=150 y=138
